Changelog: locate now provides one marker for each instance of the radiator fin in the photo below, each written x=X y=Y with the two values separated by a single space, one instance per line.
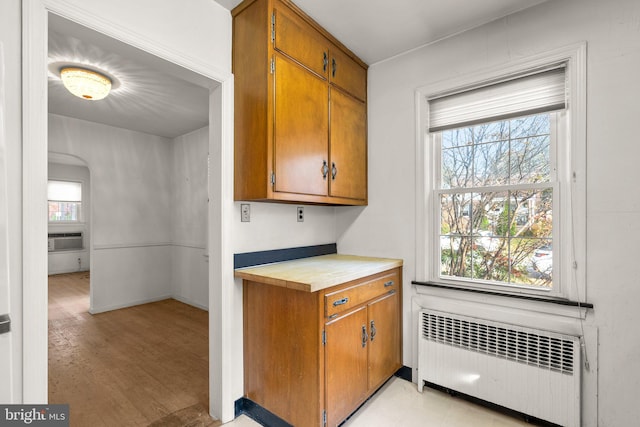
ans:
x=529 y=347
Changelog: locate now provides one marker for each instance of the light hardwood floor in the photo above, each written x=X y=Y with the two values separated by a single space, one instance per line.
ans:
x=139 y=366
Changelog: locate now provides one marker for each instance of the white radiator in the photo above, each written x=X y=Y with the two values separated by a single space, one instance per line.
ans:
x=528 y=370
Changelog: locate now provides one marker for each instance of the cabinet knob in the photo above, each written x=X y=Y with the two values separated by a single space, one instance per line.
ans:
x=334 y=170
x=334 y=66
x=325 y=169
x=373 y=330
x=389 y=283
x=325 y=62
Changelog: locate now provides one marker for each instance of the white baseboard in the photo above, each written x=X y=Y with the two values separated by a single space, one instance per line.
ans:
x=94 y=310
x=54 y=272
x=147 y=301
x=191 y=303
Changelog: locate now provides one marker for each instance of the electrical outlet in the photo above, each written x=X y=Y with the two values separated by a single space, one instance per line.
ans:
x=300 y=213
x=245 y=212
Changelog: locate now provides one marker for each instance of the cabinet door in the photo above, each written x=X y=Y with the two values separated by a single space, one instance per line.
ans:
x=348 y=147
x=298 y=40
x=301 y=121
x=346 y=364
x=384 y=339
x=348 y=74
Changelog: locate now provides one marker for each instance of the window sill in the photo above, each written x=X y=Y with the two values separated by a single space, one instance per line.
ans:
x=499 y=301
x=500 y=294
x=66 y=223
x=66 y=251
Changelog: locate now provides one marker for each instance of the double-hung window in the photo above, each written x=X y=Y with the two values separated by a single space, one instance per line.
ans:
x=500 y=184
x=65 y=201
x=495 y=199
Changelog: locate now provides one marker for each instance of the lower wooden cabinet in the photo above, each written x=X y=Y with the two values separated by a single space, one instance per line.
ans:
x=361 y=353
x=346 y=361
x=312 y=358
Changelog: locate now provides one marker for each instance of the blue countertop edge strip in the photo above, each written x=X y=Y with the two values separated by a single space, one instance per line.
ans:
x=250 y=259
x=519 y=296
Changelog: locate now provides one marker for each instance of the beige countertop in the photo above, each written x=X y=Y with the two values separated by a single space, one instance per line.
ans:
x=317 y=273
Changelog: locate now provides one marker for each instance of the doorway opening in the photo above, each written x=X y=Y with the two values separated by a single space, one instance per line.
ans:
x=198 y=58
x=146 y=339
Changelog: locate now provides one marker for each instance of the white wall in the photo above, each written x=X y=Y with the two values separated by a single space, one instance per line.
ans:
x=131 y=209
x=202 y=30
x=613 y=207
x=67 y=261
x=10 y=37
x=149 y=216
x=6 y=356
x=189 y=257
x=275 y=226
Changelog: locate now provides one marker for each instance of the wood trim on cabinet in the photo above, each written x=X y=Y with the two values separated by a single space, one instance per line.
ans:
x=251 y=88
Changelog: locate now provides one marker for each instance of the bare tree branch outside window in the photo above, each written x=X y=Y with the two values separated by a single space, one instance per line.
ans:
x=496 y=202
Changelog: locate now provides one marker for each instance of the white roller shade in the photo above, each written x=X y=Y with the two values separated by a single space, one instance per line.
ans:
x=64 y=191
x=531 y=94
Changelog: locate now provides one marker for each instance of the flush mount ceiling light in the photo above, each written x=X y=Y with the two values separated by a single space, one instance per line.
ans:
x=85 y=84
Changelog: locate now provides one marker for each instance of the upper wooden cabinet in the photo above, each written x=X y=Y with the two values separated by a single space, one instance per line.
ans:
x=300 y=109
x=292 y=36
x=347 y=74
x=348 y=168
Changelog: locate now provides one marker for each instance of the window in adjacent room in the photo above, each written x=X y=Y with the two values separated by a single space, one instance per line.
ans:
x=500 y=187
x=65 y=201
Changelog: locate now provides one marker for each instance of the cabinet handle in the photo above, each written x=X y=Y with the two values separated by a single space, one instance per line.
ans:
x=373 y=330
x=325 y=62
x=325 y=169
x=389 y=283
x=5 y=324
x=341 y=301
x=334 y=170
x=365 y=338
x=334 y=66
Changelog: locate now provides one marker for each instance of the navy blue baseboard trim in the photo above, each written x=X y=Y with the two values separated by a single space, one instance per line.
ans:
x=268 y=419
x=405 y=373
x=258 y=414
x=249 y=259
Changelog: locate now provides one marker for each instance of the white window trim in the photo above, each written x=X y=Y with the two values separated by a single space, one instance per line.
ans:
x=572 y=281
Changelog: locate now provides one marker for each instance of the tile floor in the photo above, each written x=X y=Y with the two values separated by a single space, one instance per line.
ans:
x=400 y=404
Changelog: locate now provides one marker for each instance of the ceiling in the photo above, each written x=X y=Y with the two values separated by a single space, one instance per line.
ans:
x=149 y=94
x=376 y=30
x=154 y=96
